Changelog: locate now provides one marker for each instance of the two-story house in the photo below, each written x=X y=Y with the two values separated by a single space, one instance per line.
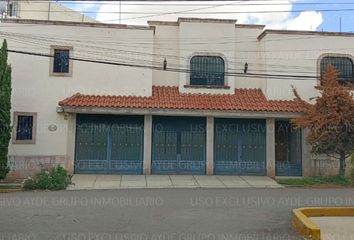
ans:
x=195 y=96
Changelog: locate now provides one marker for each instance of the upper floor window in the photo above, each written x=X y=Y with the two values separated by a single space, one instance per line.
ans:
x=207 y=70
x=61 y=63
x=24 y=127
x=343 y=65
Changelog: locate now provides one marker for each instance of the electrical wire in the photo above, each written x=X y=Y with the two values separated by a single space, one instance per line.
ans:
x=193 y=11
x=174 y=3
x=124 y=64
x=127 y=46
x=117 y=53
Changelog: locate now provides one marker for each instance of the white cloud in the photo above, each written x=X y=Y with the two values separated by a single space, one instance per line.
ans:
x=306 y=21
x=81 y=6
x=108 y=12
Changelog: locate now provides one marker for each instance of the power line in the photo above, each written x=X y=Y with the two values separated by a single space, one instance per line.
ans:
x=153 y=1
x=233 y=12
x=126 y=43
x=80 y=42
x=194 y=11
x=189 y=12
x=177 y=65
x=177 y=12
x=114 y=52
x=238 y=4
x=210 y=2
x=238 y=74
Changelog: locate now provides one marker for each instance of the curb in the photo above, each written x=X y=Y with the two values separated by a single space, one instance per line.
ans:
x=10 y=190
x=302 y=223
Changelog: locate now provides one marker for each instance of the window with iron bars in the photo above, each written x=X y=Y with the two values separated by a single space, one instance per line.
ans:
x=61 y=61
x=343 y=65
x=207 y=70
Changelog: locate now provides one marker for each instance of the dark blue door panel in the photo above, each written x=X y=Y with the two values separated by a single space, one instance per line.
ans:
x=178 y=145
x=288 y=149
x=239 y=147
x=109 y=144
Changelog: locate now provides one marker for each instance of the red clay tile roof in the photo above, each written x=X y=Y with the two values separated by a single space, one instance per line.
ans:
x=171 y=98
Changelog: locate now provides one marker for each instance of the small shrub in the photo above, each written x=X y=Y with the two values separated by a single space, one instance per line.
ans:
x=29 y=184
x=55 y=179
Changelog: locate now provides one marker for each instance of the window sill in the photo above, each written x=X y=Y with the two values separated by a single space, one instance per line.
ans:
x=60 y=74
x=206 y=86
x=23 y=142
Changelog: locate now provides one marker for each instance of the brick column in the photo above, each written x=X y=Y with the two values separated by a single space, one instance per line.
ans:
x=210 y=146
x=270 y=147
x=147 y=144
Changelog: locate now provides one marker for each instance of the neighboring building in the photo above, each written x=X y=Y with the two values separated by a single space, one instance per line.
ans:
x=43 y=10
x=208 y=112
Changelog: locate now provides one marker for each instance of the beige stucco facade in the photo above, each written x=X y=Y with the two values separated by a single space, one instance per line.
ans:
x=44 y=10
x=36 y=90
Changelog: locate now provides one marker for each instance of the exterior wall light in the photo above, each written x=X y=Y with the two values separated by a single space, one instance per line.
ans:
x=60 y=110
x=164 y=64
x=245 y=69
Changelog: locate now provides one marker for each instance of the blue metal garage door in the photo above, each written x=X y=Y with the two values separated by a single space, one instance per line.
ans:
x=109 y=144
x=178 y=145
x=240 y=147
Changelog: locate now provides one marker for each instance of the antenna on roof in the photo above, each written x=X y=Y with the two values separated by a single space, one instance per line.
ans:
x=340 y=24
x=120 y=11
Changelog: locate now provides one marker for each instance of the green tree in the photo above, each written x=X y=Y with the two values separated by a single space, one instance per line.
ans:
x=330 y=119
x=5 y=107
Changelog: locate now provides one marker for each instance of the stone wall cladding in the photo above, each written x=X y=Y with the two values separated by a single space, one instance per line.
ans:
x=22 y=167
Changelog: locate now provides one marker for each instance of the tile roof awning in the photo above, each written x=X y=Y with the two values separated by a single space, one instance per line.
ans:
x=250 y=100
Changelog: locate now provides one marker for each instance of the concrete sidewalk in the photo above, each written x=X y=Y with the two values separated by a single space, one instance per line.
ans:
x=333 y=228
x=92 y=181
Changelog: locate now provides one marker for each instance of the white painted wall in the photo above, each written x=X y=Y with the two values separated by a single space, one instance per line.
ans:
x=204 y=39
x=238 y=45
x=298 y=54
x=166 y=46
x=41 y=10
x=34 y=90
x=248 y=49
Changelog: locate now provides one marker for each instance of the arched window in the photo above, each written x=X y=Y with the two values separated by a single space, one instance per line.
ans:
x=343 y=65
x=207 y=70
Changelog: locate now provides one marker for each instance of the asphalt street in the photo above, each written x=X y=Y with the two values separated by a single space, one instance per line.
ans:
x=160 y=214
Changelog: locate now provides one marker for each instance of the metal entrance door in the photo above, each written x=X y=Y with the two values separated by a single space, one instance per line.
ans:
x=109 y=144
x=239 y=147
x=178 y=145
x=287 y=149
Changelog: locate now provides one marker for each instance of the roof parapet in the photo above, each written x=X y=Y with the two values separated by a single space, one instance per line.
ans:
x=297 y=32
x=164 y=23
x=257 y=26
x=207 y=20
x=192 y=20
x=77 y=24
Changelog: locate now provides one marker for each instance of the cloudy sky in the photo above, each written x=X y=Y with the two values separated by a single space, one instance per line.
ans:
x=296 y=14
